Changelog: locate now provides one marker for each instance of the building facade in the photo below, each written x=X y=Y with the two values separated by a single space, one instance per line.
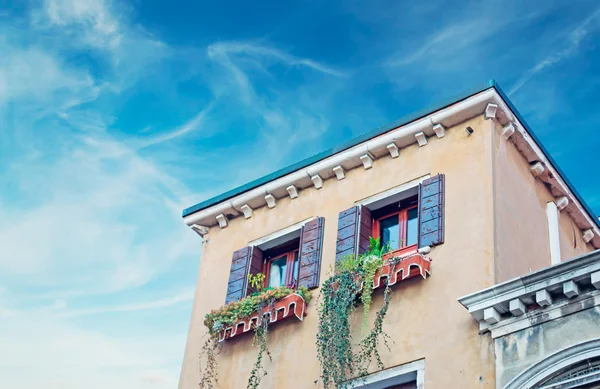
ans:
x=465 y=195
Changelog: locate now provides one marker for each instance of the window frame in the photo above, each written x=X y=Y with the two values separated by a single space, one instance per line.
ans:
x=289 y=267
x=402 y=228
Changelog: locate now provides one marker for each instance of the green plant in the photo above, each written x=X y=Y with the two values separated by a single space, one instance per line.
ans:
x=334 y=342
x=369 y=343
x=371 y=261
x=210 y=349
x=256 y=281
x=232 y=313
x=353 y=278
x=260 y=339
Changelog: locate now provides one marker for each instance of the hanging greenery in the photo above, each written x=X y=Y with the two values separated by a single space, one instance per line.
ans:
x=334 y=343
x=260 y=339
x=353 y=278
x=234 y=312
x=209 y=374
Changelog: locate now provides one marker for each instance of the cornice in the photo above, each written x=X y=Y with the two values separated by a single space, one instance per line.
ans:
x=537 y=297
x=488 y=102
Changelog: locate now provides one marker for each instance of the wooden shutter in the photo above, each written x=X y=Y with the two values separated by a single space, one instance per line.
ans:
x=431 y=211
x=311 y=248
x=248 y=259
x=354 y=230
x=237 y=275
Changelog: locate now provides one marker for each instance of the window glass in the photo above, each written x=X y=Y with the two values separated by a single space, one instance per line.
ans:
x=295 y=278
x=412 y=227
x=277 y=272
x=389 y=232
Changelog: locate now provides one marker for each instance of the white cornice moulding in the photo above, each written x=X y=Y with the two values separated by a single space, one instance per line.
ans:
x=222 y=220
x=537 y=169
x=200 y=230
x=421 y=139
x=293 y=191
x=393 y=149
x=317 y=180
x=439 y=130
x=508 y=131
x=389 y=143
x=339 y=172
x=367 y=161
x=490 y=111
x=562 y=202
x=569 y=282
x=247 y=211
x=271 y=202
x=588 y=235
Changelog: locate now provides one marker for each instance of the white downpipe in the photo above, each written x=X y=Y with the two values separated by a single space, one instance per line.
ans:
x=553 y=232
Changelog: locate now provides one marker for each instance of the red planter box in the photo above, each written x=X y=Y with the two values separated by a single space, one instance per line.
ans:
x=292 y=305
x=412 y=265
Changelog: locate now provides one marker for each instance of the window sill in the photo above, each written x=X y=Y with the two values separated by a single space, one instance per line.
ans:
x=288 y=306
x=399 y=267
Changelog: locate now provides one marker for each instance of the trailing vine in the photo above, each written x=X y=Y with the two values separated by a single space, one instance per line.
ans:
x=211 y=348
x=368 y=345
x=334 y=342
x=231 y=314
x=260 y=338
x=353 y=279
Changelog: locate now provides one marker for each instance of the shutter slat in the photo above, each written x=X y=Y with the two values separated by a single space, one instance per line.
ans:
x=237 y=276
x=431 y=211
x=354 y=230
x=347 y=234
x=364 y=229
x=311 y=247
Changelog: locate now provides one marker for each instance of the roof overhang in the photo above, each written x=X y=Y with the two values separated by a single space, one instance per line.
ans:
x=385 y=142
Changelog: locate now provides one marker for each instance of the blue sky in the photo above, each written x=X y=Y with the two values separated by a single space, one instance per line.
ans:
x=115 y=116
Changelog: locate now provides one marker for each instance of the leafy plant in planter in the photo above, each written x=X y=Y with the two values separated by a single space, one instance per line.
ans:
x=231 y=314
x=353 y=279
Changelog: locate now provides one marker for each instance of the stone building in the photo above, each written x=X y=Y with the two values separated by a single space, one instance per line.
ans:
x=467 y=196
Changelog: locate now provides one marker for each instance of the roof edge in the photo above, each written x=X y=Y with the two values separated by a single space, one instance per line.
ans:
x=338 y=148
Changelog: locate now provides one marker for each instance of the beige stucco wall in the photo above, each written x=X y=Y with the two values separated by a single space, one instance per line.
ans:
x=424 y=319
x=521 y=224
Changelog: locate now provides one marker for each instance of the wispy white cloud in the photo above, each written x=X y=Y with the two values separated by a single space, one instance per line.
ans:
x=253 y=49
x=186 y=296
x=574 y=39
x=101 y=28
x=189 y=126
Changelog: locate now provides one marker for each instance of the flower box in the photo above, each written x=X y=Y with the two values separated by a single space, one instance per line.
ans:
x=411 y=265
x=288 y=306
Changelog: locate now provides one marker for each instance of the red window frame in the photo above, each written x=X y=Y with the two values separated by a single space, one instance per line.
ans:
x=289 y=267
x=402 y=223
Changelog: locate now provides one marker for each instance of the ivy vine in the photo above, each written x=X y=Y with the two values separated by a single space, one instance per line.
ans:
x=260 y=339
x=209 y=377
x=334 y=341
x=352 y=281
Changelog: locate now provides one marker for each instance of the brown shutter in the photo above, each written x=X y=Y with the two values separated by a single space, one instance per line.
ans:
x=365 y=229
x=237 y=276
x=431 y=211
x=311 y=247
x=248 y=259
x=354 y=230
x=254 y=267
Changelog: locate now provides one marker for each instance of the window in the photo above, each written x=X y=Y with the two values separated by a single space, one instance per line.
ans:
x=397 y=224
x=281 y=265
x=407 y=376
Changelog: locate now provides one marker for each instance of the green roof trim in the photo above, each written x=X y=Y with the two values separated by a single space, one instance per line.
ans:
x=374 y=133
